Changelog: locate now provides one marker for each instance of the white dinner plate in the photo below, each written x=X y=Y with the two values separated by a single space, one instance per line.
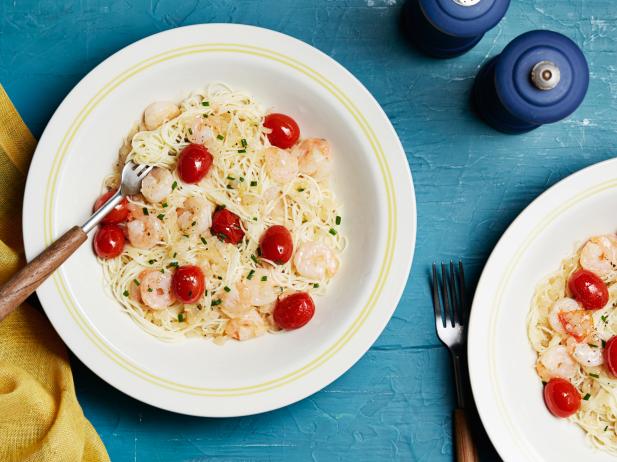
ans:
x=371 y=177
x=506 y=389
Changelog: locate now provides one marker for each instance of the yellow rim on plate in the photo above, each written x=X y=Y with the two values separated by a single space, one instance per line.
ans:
x=50 y=192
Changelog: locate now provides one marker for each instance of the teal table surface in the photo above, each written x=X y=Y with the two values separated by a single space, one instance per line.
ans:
x=471 y=182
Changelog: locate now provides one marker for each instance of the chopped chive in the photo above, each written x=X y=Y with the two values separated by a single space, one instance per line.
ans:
x=592 y=345
x=338 y=220
x=174 y=185
x=186 y=235
x=172 y=264
x=194 y=223
x=145 y=210
x=174 y=255
x=216 y=302
x=230 y=186
x=180 y=317
x=206 y=293
x=190 y=131
x=160 y=216
x=220 y=137
x=595 y=376
x=136 y=282
x=150 y=289
x=231 y=178
x=222 y=236
x=586 y=397
x=254 y=258
x=226 y=289
x=220 y=278
x=241 y=179
x=241 y=151
x=606 y=428
x=244 y=143
x=264 y=278
x=254 y=218
x=162 y=270
x=259 y=251
x=603 y=343
x=125 y=293
x=604 y=318
x=203 y=241
x=151 y=262
x=250 y=275
x=205 y=103
x=164 y=204
x=332 y=231
x=253 y=183
x=316 y=285
x=300 y=189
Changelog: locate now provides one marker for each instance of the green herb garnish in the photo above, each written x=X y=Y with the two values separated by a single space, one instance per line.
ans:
x=586 y=397
x=136 y=282
x=145 y=210
x=264 y=278
x=125 y=293
x=205 y=103
x=316 y=285
x=180 y=317
x=250 y=275
x=226 y=289
x=150 y=289
x=595 y=376
x=203 y=241
x=241 y=151
x=244 y=143
x=253 y=183
x=216 y=302
x=160 y=216
x=332 y=231
x=220 y=137
x=338 y=220
x=300 y=189
x=174 y=185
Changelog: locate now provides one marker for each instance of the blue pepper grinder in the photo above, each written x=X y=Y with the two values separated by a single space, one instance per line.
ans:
x=449 y=28
x=540 y=77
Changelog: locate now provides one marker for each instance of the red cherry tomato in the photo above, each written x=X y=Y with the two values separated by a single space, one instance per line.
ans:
x=109 y=241
x=194 y=163
x=118 y=214
x=610 y=355
x=276 y=244
x=226 y=225
x=588 y=289
x=188 y=283
x=285 y=131
x=294 y=311
x=561 y=397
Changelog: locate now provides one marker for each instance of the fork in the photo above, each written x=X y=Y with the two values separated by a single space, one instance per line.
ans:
x=26 y=280
x=450 y=326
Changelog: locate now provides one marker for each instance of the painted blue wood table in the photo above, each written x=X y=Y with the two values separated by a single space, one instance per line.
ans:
x=396 y=403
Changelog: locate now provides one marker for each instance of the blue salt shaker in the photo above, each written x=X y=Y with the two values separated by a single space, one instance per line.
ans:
x=540 y=77
x=448 y=28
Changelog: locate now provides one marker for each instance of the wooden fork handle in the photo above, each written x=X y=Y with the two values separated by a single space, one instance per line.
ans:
x=465 y=447
x=26 y=280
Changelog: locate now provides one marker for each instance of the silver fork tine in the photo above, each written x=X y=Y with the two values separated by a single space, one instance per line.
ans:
x=456 y=307
x=461 y=286
x=445 y=296
x=436 y=303
x=144 y=171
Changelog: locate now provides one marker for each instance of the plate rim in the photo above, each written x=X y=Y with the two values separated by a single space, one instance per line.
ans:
x=477 y=350
x=395 y=293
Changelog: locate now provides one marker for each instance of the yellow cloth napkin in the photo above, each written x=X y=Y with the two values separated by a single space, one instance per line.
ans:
x=40 y=418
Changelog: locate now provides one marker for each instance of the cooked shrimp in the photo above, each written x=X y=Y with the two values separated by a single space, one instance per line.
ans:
x=578 y=324
x=199 y=132
x=585 y=354
x=599 y=255
x=556 y=362
x=246 y=327
x=281 y=165
x=246 y=294
x=195 y=215
x=561 y=306
x=315 y=260
x=144 y=231
x=155 y=289
x=156 y=114
x=314 y=158
x=157 y=185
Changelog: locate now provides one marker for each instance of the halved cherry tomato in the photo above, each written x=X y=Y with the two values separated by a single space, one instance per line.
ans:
x=194 y=163
x=109 y=241
x=561 y=397
x=226 y=225
x=276 y=244
x=188 y=283
x=294 y=311
x=610 y=355
x=588 y=289
x=118 y=214
x=285 y=131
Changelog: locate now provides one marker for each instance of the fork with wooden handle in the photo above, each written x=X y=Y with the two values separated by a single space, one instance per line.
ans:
x=26 y=280
x=450 y=325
